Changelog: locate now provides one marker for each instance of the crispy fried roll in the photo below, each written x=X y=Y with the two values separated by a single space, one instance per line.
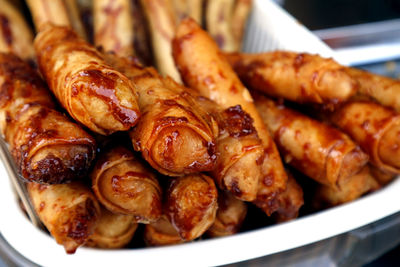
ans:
x=113 y=26
x=206 y=70
x=69 y=211
x=124 y=185
x=230 y=215
x=188 y=8
x=15 y=35
x=191 y=205
x=161 y=233
x=218 y=24
x=174 y=134
x=381 y=176
x=375 y=128
x=113 y=230
x=94 y=94
x=383 y=89
x=240 y=151
x=161 y=23
x=141 y=36
x=46 y=145
x=320 y=151
x=240 y=14
x=290 y=201
x=298 y=77
x=350 y=189
x=45 y=11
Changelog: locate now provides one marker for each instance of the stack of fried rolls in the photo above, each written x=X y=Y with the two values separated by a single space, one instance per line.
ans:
x=182 y=150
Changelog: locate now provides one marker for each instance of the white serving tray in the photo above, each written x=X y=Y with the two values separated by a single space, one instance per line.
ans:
x=267 y=21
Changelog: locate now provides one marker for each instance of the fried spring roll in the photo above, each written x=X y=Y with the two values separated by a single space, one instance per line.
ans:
x=15 y=35
x=94 y=94
x=45 y=11
x=205 y=69
x=113 y=26
x=191 y=205
x=175 y=135
x=162 y=25
x=188 y=8
x=381 y=176
x=230 y=215
x=290 y=201
x=218 y=24
x=298 y=77
x=240 y=151
x=240 y=14
x=124 y=185
x=383 y=89
x=350 y=189
x=375 y=128
x=320 y=151
x=69 y=211
x=112 y=231
x=47 y=147
x=75 y=18
x=141 y=38
x=161 y=233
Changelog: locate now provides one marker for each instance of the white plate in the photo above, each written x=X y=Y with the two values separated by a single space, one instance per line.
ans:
x=42 y=249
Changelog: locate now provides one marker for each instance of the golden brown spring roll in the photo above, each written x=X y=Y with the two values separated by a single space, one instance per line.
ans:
x=319 y=151
x=74 y=16
x=219 y=24
x=298 y=77
x=191 y=205
x=381 y=176
x=375 y=128
x=240 y=14
x=350 y=189
x=290 y=201
x=240 y=151
x=15 y=35
x=93 y=93
x=188 y=8
x=69 y=211
x=124 y=185
x=174 y=134
x=162 y=25
x=113 y=230
x=161 y=233
x=113 y=26
x=383 y=89
x=47 y=147
x=45 y=11
x=230 y=215
x=205 y=69
x=141 y=36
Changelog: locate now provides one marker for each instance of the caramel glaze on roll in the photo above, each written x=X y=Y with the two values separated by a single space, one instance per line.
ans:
x=320 y=151
x=351 y=189
x=175 y=135
x=191 y=205
x=161 y=233
x=240 y=151
x=298 y=77
x=375 y=128
x=69 y=211
x=205 y=69
x=230 y=215
x=46 y=145
x=94 y=94
x=15 y=35
x=290 y=201
x=381 y=176
x=124 y=185
x=112 y=231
